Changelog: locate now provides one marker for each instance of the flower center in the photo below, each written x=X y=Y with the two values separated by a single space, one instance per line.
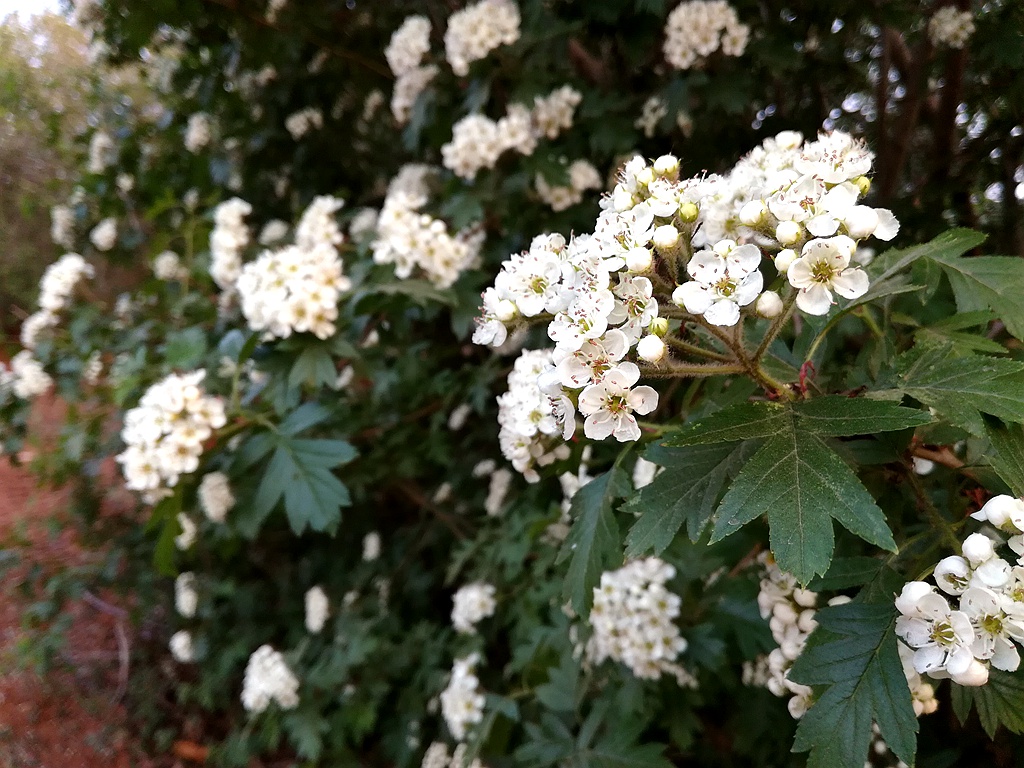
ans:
x=822 y=272
x=726 y=286
x=992 y=625
x=943 y=633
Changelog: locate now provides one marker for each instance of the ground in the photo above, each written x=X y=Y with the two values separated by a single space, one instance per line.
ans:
x=73 y=716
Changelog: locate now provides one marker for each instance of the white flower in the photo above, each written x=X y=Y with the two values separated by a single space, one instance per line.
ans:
x=371 y=546
x=941 y=637
x=181 y=647
x=471 y=604
x=462 y=704
x=198 y=132
x=651 y=348
x=27 y=376
x=317 y=609
x=408 y=45
x=721 y=284
x=167 y=266
x=696 y=29
x=186 y=597
x=104 y=234
x=823 y=267
x=497 y=490
x=477 y=29
x=1004 y=512
x=227 y=241
x=62 y=226
x=215 y=496
x=189 y=529
x=951 y=27
x=609 y=405
x=995 y=629
x=302 y=122
x=269 y=679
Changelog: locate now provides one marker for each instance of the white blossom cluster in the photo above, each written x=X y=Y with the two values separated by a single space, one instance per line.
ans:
x=987 y=622
x=790 y=610
x=102 y=152
x=26 y=377
x=528 y=427
x=462 y=704
x=198 y=132
x=408 y=87
x=62 y=226
x=478 y=29
x=104 y=235
x=471 y=604
x=696 y=29
x=56 y=289
x=438 y=756
x=302 y=122
x=478 y=141
x=318 y=225
x=408 y=45
x=167 y=266
x=215 y=496
x=412 y=240
x=165 y=432
x=371 y=546
x=182 y=647
x=633 y=620
x=950 y=27
x=651 y=113
x=186 y=595
x=228 y=239
x=269 y=679
x=582 y=177
x=497 y=491
x=317 y=609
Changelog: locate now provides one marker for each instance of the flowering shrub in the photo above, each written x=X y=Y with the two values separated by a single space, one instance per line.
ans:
x=546 y=390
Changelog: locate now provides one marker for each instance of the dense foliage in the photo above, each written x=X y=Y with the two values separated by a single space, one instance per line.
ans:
x=369 y=539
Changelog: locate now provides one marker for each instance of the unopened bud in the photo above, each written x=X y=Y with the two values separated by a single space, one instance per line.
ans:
x=769 y=304
x=667 y=166
x=639 y=260
x=666 y=237
x=658 y=326
x=788 y=232
x=688 y=212
x=724 y=247
x=789 y=139
x=645 y=177
x=784 y=258
x=752 y=214
x=651 y=348
x=506 y=311
x=863 y=183
x=622 y=200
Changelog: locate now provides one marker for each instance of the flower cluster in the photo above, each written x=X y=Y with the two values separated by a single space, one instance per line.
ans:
x=478 y=29
x=988 y=622
x=104 y=235
x=102 y=152
x=182 y=647
x=478 y=141
x=633 y=617
x=167 y=266
x=696 y=29
x=228 y=239
x=215 y=496
x=582 y=177
x=269 y=679
x=951 y=27
x=302 y=122
x=412 y=240
x=528 y=426
x=186 y=595
x=317 y=609
x=471 y=604
x=56 y=288
x=62 y=226
x=165 y=433
x=405 y=51
x=408 y=88
x=790 y=611
x=26 y=378
x=198 y=132
x=462 y=704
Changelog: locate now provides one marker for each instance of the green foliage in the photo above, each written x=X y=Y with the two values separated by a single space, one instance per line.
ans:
x=997 y=702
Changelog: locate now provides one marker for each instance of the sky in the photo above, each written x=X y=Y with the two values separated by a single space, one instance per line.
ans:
x=27 y=7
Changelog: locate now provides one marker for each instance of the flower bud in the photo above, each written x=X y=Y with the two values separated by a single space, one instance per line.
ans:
x=622 y=200
x=863 y=183
x=506 y=311
x=753 y=213
x=769 y=304
x=784 y=258
x=978 y=548
x=952 y=575
x=667 y=166
x=1000 y=510
x=788 y=232
x=658 y=326
x=688 y=212
x=666 y=237
x=845 y=245
x=789 y=139
x=645 y=177
x=639 y=259
x=911 y=595
x=651 y=348
x=975 y=675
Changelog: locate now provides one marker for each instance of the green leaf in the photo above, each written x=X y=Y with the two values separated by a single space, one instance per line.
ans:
x=846 y=572
x=1008 y=460
x=306 y=728
x=561 y=692
x=961 y=388
x=185 y=349
x=999 y=702
x=745 y=421
x=995 y=282
x=593 y=544
x=420 y=291
x=313 y=367
x=800 y=482
x=835 y=415
x=302 y=418
x=685 y=492
x=947 y=245
x=853 y=655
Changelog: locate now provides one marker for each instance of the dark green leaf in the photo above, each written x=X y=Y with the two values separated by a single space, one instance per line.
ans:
x=594 y=543
x=993 y=282
x=853 y=655
x=313 y=367
x=999 y=702
x=947 y=245
x=685 y=492
x=186 y=348
x=836 y=416
x=744 y=421
x=1008 y=460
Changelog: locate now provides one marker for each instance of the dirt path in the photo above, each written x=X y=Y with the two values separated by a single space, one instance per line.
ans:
x=71 y=717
